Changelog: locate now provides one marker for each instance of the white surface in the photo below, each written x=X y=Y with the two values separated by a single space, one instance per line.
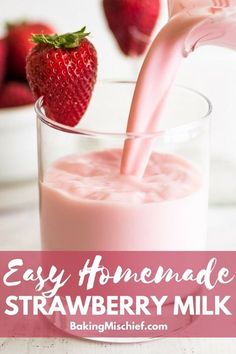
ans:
x=19 y=230
x=163 y=346
x=18 y=153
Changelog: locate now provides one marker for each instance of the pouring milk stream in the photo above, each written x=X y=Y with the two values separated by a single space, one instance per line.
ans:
x=192 y=23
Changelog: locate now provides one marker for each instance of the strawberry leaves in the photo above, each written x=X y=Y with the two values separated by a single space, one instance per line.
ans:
x=67 y=40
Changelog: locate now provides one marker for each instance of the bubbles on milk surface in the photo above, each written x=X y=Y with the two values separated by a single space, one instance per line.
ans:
x=95 y=177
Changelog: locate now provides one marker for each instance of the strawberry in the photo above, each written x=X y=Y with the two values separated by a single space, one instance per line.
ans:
x=14 y=94
x=3 y=57
x=63 y=70
x=19 y=44
x=132 y=22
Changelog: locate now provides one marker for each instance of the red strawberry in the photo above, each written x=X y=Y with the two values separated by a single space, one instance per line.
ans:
x=19 y=44
x=132 y=22
x=14 y=94
x=3 y=57
x=63 y=70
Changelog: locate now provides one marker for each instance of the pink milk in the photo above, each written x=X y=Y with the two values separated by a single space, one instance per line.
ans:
x=87 y=205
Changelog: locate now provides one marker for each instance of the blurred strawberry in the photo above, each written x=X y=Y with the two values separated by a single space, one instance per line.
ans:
x=132 y=22
x=14 y=94
x=3 y=57
x=19 y=44
x=63 y=70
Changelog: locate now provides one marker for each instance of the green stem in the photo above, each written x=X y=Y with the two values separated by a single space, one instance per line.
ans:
x=67 y=40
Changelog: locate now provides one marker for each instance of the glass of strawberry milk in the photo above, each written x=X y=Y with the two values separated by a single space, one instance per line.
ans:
x=87 y=203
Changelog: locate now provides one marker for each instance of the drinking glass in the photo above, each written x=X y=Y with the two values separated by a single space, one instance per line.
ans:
x=76 y=213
